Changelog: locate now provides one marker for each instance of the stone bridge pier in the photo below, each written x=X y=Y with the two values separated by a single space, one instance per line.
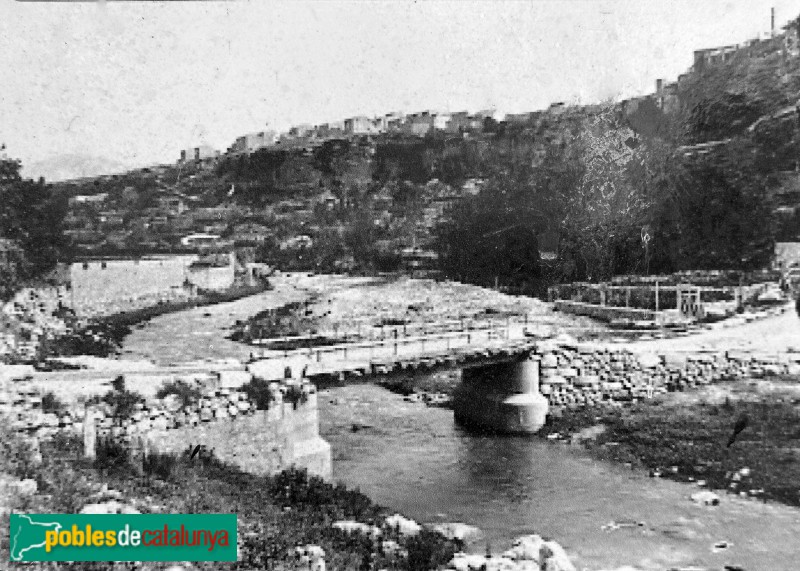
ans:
x=502 y=397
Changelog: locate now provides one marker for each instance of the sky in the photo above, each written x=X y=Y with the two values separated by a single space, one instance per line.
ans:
x=135 y=82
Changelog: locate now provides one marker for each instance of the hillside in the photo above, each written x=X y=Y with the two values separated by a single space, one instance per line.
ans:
x=704 y=166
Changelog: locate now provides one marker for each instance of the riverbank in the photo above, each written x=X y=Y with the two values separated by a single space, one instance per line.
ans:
x=103 y=336
x=685 y=436
x=276 y=514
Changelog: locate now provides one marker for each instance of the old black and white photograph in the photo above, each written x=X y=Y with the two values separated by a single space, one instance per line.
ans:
x=378 y=285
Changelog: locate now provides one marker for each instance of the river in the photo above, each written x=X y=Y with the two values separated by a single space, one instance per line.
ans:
x=415 y=460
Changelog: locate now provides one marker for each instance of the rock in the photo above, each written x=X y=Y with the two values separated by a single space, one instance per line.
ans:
x=526 y=548
x=112 y=507
x=391 y=548
x=458 y=531
x=549 y=361
x=552 y=557
x=705 y=498
x=27 y=487
x=403 y=525
x=464 y=562
x=310 y=558
x=649 y=360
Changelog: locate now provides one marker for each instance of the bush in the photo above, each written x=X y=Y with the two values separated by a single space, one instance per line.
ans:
x=257 y=390
x=160 y=465
x=295 y=395
x=51 y=403
x=187 y=393
x=111 y=454
x=122 y=401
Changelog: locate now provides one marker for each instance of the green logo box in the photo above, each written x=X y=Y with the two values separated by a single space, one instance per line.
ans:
x=123 y=537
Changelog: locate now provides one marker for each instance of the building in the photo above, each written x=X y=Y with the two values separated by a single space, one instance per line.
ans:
x=198 y=154
x=88 y=200
x=419 y=124
x=360 y=126
x=250 y=234
x=254 y=141
x=666 y=96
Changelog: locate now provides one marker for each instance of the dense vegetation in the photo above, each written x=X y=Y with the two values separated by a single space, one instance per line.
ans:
x=31 y=217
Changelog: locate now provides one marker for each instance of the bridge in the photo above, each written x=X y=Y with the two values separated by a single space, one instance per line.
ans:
x=500 y=382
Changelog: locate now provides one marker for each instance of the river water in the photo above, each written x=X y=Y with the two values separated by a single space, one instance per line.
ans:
x=415 y=460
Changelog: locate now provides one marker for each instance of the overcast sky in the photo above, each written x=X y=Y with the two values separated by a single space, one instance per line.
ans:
x=137 y=81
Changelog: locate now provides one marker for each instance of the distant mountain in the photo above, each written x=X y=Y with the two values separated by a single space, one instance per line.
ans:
x=66 y=167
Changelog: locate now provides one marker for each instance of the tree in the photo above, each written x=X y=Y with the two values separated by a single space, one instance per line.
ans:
x=32 y=216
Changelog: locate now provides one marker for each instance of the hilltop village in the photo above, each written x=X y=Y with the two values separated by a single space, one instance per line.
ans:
x=374 y=193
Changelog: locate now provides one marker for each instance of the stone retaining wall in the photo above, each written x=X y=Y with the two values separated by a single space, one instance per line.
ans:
x=579 y=374
x=223 y=419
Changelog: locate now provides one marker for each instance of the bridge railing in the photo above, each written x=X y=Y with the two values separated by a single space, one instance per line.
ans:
x=384 y=332
x=398 y=347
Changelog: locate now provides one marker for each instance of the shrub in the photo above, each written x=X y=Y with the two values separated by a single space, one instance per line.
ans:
x=257 y=390
x=51 y=403
x=160 y=465
x=122 y=401
x=187 y=393
x=111 y=454
x=295 y=395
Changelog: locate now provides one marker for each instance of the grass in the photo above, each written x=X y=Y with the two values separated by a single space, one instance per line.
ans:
x=685 y=439
x=275 y=514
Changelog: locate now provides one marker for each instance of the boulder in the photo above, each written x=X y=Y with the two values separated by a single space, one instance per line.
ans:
x=705 y=498
x=458 y=531
x=526 y=548
x=112 y=507
x=27 y=487
x=465 y=562
x=403 y=525
x=552 y=557
x=391 y=548
x=549 y=361
x=649 y=360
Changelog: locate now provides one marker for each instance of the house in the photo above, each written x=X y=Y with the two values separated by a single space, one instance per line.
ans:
x=300 y=242
x=111 y=219
x=250 y=233
x=254 y=141
x=198 y=154
x=385 y=123
x=195 y=240
x=416 y=258
x=88 y=200
x=419 y=124
x=329 y=131
x=329 y=201
x=360 y=126
x=172 y=204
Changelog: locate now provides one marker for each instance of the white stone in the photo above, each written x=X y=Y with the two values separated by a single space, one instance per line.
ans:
x=705 y=498
x=552 y=557
x=403 y=525
x=349 y=526
x=27 y=487
x=458 y=531
x=526 y=548
x=464 y=562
